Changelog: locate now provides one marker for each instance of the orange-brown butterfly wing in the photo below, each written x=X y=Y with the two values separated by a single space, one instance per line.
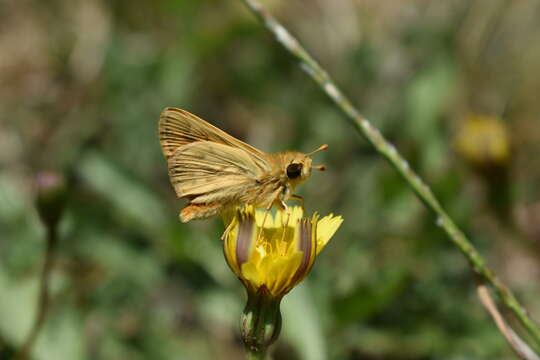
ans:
x=212 y=176
x=179 y=127
x=206 y=171
x=210 y=168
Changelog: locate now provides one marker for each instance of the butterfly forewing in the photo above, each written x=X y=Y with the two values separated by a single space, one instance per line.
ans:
x=210 y=168
x=207 y=167
x=178 y=127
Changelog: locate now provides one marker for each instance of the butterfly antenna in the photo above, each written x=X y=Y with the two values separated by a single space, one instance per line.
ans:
x=321 y=148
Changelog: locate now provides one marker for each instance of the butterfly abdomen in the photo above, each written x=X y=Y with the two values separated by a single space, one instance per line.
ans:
x=200 y=211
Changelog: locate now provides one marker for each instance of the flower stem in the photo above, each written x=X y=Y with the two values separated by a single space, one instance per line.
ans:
x=44 y=296
x=260 y=324
x=51 y=191
x=386 y=149
x=255 y=355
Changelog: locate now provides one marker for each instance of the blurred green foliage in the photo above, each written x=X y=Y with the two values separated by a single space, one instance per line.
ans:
x=83 y=83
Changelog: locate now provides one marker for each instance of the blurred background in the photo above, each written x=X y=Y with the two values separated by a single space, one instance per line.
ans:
x=453 y=84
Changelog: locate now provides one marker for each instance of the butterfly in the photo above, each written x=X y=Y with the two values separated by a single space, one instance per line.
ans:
x=216 y=172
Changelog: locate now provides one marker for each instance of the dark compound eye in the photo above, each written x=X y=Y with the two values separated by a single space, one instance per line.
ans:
x=294 y=170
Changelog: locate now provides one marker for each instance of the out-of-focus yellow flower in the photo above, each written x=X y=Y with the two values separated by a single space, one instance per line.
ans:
x=483 y=140
x=277 y=255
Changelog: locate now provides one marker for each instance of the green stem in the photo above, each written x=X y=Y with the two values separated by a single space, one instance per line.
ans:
x=44 y=297
x=260 y=323
x=377 y=140
x=255 y=355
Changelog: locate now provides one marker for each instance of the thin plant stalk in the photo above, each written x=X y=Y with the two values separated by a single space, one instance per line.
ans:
x=255 y=355
x=44 y=296
x=519 y=346
x=386 y=149
x=51 y=196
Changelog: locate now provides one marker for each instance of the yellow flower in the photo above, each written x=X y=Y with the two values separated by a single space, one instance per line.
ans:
x=483 y=140
x=275 y=253
x=271 y=254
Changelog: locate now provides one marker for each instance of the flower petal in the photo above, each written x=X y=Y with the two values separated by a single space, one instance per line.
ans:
x=326 y=228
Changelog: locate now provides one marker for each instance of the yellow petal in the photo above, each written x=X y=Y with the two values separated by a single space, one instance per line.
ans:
x=229 y=247
x=326 y=228
x=281 y=271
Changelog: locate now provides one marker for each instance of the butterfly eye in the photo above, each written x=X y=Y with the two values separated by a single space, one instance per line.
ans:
x=294 y=170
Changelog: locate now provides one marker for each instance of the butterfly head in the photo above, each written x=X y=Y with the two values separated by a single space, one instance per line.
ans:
x=299 y=165
x=298 y=169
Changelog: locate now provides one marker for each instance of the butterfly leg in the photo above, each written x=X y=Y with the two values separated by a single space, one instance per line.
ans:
x=226 y=232
x=298 y=198
x=287 y=210
x=286 y=223
x=276 y=202
x=267 y=210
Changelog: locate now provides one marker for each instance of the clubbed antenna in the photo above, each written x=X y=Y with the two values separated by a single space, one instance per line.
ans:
x=320 y=148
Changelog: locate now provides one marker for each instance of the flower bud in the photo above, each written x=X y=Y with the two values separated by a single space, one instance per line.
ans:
x=51 y=189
